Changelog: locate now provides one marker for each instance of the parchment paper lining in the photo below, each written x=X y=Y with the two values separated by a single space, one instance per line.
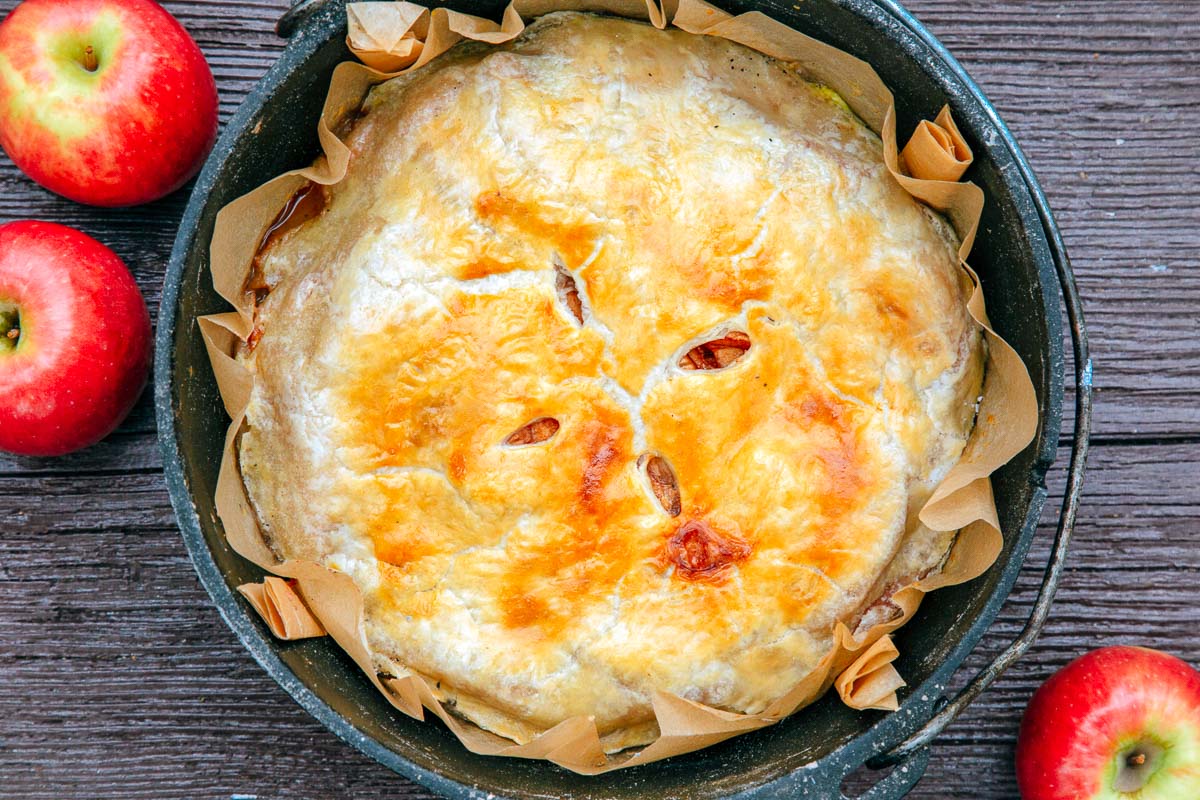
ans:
x=397 y=37
x=871 y=681
x=937 y=151
x=277 y=602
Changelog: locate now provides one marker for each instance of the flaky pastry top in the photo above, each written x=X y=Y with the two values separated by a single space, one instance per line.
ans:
x=617 y=363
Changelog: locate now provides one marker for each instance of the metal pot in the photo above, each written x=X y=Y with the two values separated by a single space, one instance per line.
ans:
x=1021 y=260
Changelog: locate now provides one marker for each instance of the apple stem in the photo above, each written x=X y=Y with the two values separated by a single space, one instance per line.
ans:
x=10 y=327
x=1137 y=767
x=89 y=59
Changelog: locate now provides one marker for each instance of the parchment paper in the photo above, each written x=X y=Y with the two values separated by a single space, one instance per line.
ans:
x=871 y=681
x=400 y=36
x=937 y=151
x=282 y=609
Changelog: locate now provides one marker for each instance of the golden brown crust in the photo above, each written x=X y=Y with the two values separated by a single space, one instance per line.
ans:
x=617 y=363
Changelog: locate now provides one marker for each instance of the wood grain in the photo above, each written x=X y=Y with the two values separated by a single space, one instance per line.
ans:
x=118 y=679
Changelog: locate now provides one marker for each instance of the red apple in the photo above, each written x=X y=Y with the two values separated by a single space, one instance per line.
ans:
x=1120 y=723
x=107 y=102
x=74 y=339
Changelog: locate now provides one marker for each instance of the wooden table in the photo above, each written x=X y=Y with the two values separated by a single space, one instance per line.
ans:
x=118 y=679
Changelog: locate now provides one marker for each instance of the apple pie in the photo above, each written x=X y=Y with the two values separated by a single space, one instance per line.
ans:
x=617 y=363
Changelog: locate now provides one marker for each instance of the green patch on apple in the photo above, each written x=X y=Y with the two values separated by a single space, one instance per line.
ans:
x=78 y=61
x=10 y=327
x=1160 y=765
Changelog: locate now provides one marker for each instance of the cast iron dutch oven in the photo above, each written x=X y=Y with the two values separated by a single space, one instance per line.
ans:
x=1025 y=273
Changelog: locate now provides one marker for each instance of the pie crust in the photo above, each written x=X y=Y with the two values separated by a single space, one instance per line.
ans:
x=617 y=363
